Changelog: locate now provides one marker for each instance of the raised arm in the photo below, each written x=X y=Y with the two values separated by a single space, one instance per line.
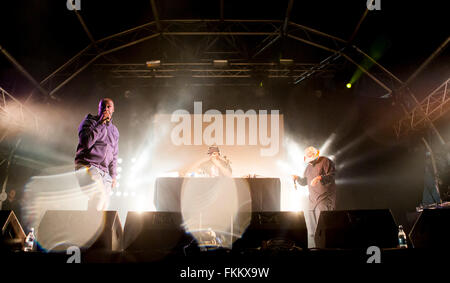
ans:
x=89 y=131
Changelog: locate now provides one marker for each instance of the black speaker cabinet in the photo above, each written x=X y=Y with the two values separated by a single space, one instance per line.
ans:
x=431 y=229
x=278 y=228
x=12 y=235
x=88 y=230
x=356 y=229
x=155 y=231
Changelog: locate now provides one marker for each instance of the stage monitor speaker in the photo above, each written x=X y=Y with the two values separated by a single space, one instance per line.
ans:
x=88 y=230
x=155 y=231
x=12 y=235
x=356 y=229
x=275 y=229
x=431 y=229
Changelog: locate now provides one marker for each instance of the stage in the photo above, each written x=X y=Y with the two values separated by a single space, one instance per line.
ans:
x=222 y=140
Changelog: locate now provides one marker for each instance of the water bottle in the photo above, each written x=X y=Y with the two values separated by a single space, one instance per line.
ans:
x=29 y=241
x=402 y=238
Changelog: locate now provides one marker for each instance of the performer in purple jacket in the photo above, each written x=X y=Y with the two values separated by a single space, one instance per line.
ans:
x=97 y=152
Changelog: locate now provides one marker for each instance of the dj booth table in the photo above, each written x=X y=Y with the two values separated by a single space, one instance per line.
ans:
x=265 y=192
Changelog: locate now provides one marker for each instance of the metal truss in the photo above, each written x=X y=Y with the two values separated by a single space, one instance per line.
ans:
x=90 y=54
x=210 y=30
x=205 y=70
x=21 y=69
x=315 y=38
x=432 y=107
x=317 y=68
x=15 y=115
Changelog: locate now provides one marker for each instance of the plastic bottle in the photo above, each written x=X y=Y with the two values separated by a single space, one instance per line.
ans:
x=402 y=243
x=29 y=241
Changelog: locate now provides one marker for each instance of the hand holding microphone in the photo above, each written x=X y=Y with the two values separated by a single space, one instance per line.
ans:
x=106 y=117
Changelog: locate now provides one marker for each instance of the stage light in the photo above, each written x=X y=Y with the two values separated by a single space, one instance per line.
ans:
x=153 y=64
x=220 y=63
x=294 y=150
x=348 y=162
x=131 y=183
x=118 y=193
x=286 y=167
x=139 y=205
x=324 y=148
x=349 y=85
x=352 y=144
x=297 y=199
x=286 y=62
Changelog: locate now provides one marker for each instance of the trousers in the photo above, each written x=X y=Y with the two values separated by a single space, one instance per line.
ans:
x=313 y=215
x=97 y=184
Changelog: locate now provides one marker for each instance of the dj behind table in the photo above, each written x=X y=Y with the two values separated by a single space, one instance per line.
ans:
x=264 y=192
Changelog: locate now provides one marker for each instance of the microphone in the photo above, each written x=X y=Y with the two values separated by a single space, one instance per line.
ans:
x=108 y=119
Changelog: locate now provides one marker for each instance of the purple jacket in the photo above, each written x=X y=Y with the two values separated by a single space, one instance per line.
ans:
x=98 y=145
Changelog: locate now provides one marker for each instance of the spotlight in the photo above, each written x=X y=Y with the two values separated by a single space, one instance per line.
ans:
x=220 y=63
x=118 y=193
x=349 y=85
x=287 y=62
x=153 y=64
